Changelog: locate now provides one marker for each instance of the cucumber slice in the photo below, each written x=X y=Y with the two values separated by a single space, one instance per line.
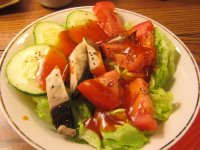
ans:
x=22 y=68
x=79 y=17
x=47 y=33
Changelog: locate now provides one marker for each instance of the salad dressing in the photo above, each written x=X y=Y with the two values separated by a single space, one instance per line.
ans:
x=91 y=30
x=68 y=39
x=53 y=58
x=106 y=121
x=65 y=43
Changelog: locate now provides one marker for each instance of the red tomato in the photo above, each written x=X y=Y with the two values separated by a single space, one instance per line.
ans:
x=91 y=30
x=115 y=47
x=103 y=91
x=144 y=34
x=133 y=63
x=100 y=69
x=107 y=18
x=135 y=58
x=65 y=43
x=139 y=106
x=54 y=58
x=111 y=80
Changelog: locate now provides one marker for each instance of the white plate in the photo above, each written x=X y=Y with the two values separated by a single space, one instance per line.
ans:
x=41 y=136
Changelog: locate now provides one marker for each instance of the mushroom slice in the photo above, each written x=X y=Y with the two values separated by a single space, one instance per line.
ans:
x=78 y=64
x=58 y=99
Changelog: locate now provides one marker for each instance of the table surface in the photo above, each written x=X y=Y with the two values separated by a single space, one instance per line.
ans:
x=182 y=17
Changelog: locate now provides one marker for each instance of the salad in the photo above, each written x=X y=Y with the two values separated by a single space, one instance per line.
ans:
x=97 y=79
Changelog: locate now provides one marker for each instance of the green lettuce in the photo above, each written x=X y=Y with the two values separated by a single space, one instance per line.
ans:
x=42 y=108
x=82 y=109
x=85 y=135
x=162 y=102
x=165 y=68
x=125 y=137
x=165 y=58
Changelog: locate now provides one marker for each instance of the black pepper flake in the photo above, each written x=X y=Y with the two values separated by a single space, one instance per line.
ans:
x=94 y=63
x=52 y=86
x=53 y=97
x=92 y=58
x=56 y=75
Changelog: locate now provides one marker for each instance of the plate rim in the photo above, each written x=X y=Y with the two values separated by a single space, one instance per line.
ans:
x=36 y=145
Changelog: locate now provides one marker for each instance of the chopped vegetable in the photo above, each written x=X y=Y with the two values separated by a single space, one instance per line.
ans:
x=165 y=58
x=140 y=108
x=108 y=19
x=162 y=102
x=58 y=99
x=104 y=90
x=78 y=18
x=95 y=60
x=123 y=138
x=42 y=108
x=89 y=136
x=78 y=64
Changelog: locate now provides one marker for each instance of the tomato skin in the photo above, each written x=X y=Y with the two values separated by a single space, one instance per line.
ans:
x=131 y=62
x=139 y=106
x=135 y=59
x=65 y=43
x=100 y=70
x=108 y=19
x=104 y=92
x=99 y=95
x=54 y=58
x=91 y=30
x=145 y=122
x=115 y=47
x=98 y=6
x=144 y=34
x=111 y=81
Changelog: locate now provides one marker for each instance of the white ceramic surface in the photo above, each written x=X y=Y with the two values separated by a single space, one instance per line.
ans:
x=40 y=135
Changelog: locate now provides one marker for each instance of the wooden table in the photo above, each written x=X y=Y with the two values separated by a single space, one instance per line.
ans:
x=180 y=16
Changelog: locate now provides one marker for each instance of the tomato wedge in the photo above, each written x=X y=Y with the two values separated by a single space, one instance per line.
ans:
x=65 y=43
x=103 y=91
x=135 y=58
x=53 y=58
x=144 y=34
x=115 y=47
x=108 y=19
x=139 y=106
x=92 y=30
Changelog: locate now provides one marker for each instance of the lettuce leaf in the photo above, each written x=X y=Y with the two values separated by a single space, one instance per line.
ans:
x=162 y=102
x=165 y=58
x=126 y=137
x=82 y=109
x=87 y=136
x=42 y=108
